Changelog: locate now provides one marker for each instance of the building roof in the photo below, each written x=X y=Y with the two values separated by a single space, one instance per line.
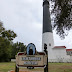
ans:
x=59 y=47
x=68 y=49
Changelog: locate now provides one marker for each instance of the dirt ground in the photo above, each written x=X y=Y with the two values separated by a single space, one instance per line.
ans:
x=30 y=70
x=27 y=71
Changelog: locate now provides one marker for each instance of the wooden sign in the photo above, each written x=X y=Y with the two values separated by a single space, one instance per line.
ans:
x=30 y=58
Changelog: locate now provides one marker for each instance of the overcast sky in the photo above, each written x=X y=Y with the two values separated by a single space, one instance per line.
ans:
x=24 y=17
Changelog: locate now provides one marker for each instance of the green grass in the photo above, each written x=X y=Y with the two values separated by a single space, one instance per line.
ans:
x=53 y=67
x=60 y=67
x=6 y=66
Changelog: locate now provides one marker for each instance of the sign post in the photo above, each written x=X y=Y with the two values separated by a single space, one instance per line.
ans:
x=46 y=53
x=16 y=69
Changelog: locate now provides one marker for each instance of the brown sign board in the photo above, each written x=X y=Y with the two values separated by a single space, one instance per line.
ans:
x=31 y=57
x=31 y=60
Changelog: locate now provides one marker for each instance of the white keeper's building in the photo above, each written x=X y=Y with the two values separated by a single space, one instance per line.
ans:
x=60 y=54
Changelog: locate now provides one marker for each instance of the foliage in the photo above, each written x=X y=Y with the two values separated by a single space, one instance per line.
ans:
x=5 y=50
x=8 y=49
x=63 y=16
x=17 y=47
x=1 y=27
x=6 y=36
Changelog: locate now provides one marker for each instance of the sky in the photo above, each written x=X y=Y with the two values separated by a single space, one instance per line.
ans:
x=25 y=18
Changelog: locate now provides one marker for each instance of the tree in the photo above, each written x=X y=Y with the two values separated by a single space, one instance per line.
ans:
x=8 y=49
x=1 y=27
x=6 y=37
x=5 y=50
x=22 y=47
x=62 y=10
x=17 y=47
x=8 y=34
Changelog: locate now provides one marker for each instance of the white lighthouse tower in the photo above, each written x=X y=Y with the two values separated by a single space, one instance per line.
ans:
x=47 y=35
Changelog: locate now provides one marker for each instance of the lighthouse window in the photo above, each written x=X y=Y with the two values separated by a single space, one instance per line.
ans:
x=49 y=44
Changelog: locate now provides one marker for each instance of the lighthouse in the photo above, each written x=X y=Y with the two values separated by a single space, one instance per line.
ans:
x=47 y=34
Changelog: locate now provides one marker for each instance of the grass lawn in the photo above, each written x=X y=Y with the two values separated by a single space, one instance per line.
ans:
x=6 y=66
x=53 y=67
x=60 y=67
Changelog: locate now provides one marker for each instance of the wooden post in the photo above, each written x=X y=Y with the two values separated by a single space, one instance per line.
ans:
x=46 y=53
x=46 y=66
x=16 y=69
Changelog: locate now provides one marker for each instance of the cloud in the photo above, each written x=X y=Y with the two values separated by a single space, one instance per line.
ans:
x=65 y=42
x=25 y=18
